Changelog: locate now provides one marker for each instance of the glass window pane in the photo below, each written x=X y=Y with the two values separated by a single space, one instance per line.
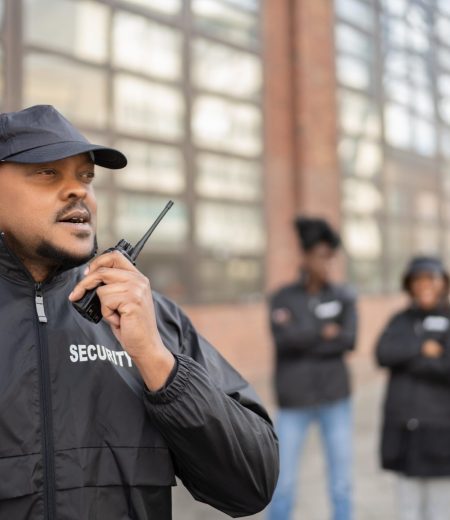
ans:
x=136 y=213
x=216 y=67
x=443 y=58
x=357 y=12
x=166 y=7
x=396 y=32
x=361 y=197
x=398 y=243
x=145 y=46
x=352 y=41
x=353 y=72
x=417 y=17
x=227 y=21
x=358 y=115
x=423 y=103
x=228 y=229
x=85 y=36
x=366 y=275
x=396 y=7
x=223 y=177
x=442 y=28
x=360 y=157
x=151 y=167
x=223 y=125
x=444 y=109
x=397 y=200
x=444 y=84
x=425 y=141
x=231 y=278
x=419 y=70
x=362 y=238
x=78 y=91
x=444 y=6
x=400 y=91
x=419 y=41
x=397 y=126
x=396 y=63
x=148 y=108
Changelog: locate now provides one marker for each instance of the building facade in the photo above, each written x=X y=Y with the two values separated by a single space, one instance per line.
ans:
x=245 y=113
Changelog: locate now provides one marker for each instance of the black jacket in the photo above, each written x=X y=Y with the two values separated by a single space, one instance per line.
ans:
x=310 y=370
x=82 y=439
x=416 y=428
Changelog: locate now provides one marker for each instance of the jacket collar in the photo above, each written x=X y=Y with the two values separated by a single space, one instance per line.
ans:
x=11 y=267
x=304 y=279
x=442 y=309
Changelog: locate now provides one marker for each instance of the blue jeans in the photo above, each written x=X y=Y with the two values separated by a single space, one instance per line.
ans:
x=335 y=422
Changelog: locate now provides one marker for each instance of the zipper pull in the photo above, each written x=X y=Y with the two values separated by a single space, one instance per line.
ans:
x=39 y=301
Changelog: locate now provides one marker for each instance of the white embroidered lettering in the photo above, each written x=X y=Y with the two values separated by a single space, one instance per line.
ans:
x=82 y=353
x=73 y=353
x=101 y=352
x=91 y=351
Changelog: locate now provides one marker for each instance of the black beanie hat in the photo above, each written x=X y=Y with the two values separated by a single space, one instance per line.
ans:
x=312 y=231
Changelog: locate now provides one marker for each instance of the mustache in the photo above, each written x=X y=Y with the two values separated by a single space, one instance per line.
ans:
x=76 y=205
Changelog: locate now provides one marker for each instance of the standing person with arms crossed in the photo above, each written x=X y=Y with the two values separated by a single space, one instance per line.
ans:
x=313 y=323
x=77 y=440
x=415 y=348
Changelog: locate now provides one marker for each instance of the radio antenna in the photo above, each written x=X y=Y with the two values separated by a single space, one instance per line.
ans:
x=137 y=248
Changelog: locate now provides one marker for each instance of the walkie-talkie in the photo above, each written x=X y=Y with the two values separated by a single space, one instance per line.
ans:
x=89 y=305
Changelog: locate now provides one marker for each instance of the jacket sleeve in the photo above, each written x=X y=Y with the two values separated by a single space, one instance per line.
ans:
x=221 y=438
x=294 y=336
x=433 y=369
x=347 y=337
x=398 y=344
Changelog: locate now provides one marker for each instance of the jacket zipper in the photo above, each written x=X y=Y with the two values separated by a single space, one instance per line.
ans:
x=46 y=407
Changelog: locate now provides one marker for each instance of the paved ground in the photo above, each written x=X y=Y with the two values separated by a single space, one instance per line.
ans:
x=373 y=489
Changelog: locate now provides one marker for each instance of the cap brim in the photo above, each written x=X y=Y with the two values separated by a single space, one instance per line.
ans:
x=102 y=156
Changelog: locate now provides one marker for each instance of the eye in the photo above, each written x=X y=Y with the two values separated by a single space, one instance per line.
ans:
x=46 y=172
x=87 y=176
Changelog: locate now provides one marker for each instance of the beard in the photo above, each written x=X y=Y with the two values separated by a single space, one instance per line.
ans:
x=63 y=259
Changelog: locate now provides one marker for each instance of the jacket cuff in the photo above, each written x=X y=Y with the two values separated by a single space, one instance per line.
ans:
x=175 y=385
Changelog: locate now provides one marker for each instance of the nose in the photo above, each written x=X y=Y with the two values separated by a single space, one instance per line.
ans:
x=73 y=188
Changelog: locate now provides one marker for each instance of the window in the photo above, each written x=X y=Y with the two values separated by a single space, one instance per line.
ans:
x=394 y=143
x=86 y=35
x=157 y=80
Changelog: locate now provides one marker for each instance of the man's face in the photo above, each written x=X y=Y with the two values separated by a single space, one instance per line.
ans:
x=48 y=211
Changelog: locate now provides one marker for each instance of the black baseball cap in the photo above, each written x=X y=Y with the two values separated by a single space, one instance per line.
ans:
x=41 y=134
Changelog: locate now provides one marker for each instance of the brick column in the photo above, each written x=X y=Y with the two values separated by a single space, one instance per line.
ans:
x=302 y=173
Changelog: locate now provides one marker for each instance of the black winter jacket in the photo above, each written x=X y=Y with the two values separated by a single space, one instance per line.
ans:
x=416 y=428
x=82 y=439
x=310 y=370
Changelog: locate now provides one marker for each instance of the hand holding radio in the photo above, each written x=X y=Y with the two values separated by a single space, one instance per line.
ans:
x=122 y=296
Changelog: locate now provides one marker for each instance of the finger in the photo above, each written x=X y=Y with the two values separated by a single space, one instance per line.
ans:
x=112 y=318
x=104 y=275
x=113 y=259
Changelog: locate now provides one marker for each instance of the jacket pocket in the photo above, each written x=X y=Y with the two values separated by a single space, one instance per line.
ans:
x=113 y=466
